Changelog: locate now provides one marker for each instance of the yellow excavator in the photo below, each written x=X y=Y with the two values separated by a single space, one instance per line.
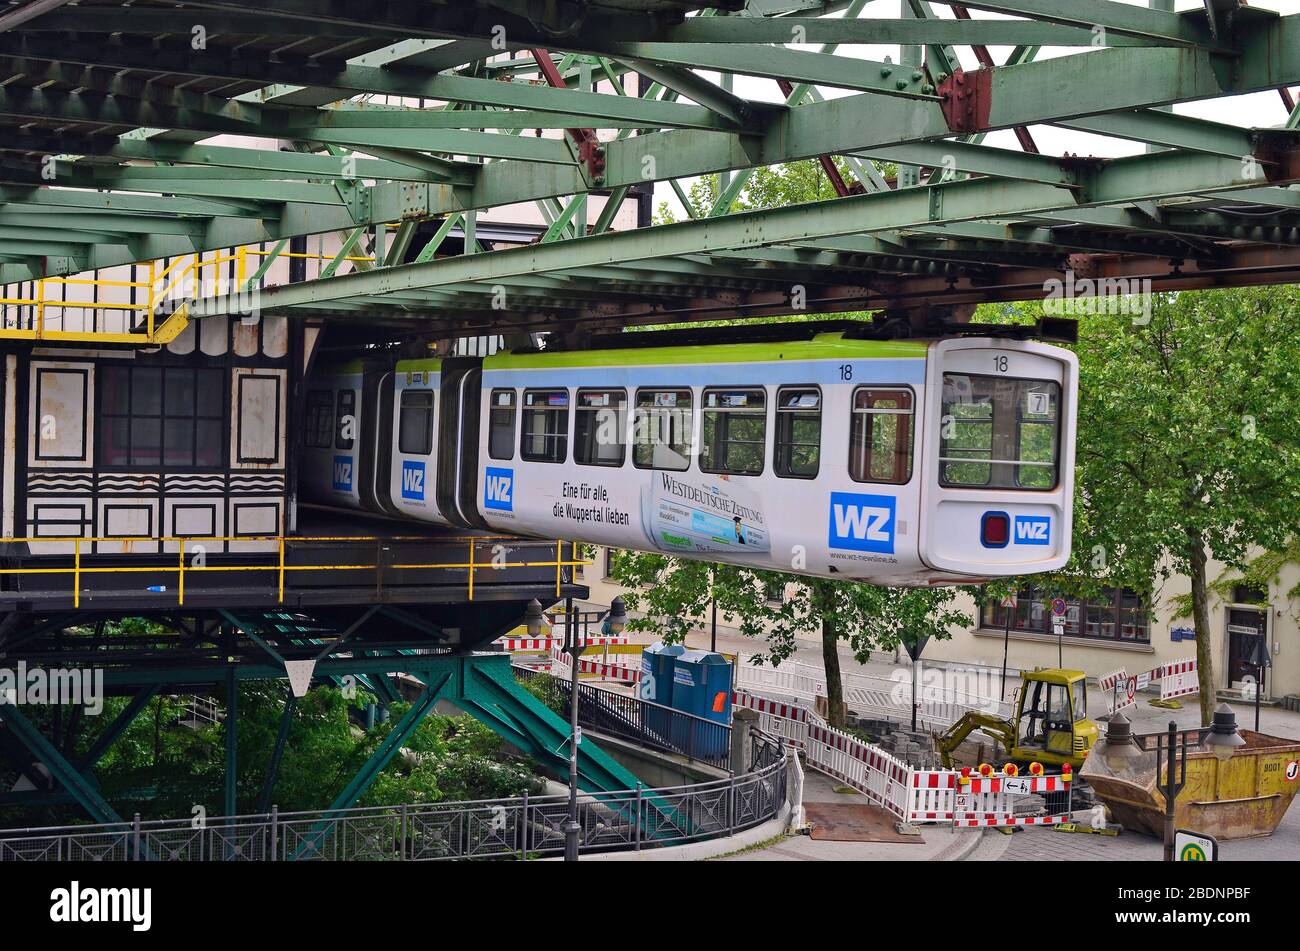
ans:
x=1051 y=724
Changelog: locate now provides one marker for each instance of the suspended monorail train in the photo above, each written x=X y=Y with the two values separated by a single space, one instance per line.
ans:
x=900 y=462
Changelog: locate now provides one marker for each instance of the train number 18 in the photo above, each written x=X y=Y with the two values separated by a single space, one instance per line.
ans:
x=1000 y=364
x=846 y=371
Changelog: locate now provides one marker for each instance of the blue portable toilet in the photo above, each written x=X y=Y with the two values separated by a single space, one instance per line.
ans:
x=658 y=665
x=702 y=688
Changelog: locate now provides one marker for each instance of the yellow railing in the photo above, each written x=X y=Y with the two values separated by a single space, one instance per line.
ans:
x=162 y=283
x=78 y=568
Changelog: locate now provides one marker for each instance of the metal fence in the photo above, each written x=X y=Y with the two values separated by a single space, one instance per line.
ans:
x=647 y=724
x=518 y=828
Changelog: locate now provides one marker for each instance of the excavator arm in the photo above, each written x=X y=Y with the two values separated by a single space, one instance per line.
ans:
x=1003 y=731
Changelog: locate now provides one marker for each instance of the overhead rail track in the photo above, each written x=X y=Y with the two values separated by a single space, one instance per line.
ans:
x=388 y=127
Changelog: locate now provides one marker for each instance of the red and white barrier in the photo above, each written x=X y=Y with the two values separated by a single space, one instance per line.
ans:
x=541 y=644
x=912 y=795
x=1176 y=680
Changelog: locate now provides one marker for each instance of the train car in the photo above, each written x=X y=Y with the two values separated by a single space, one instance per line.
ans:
x=817 y=452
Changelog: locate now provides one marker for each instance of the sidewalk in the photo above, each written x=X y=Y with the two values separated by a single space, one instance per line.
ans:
x=937 y=844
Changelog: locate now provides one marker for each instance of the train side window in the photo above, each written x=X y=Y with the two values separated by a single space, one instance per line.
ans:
x=735 y=431
x=415 y=423
x=880 y=435
x=798 y=432
x=501 y=425
x=345 y=436
x=545 y=435
x=600 y=419
x=661 y=430
x=320 y=419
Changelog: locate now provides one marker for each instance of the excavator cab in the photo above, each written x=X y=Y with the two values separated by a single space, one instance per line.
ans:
x=1051 y=724
x=1050 y=704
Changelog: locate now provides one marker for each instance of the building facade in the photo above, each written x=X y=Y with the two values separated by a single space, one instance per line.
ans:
x=1117 y=630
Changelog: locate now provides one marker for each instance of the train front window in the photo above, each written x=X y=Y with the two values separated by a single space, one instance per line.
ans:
x=661 y=430
x=999 y=433
x=501 y=425
x=600 y=417
x=735 y=431
x=545 y=435
x=415 y=423
x=798 y=432
x=880 y=438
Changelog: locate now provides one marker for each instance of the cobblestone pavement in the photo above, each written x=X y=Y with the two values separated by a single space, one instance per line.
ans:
x=937 y=845
x=1043 y=845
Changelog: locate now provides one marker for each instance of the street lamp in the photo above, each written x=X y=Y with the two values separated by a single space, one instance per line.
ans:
x=574 y=645
x=1259 y=659
x=1223 y=737
x=616 y=619
x=1121 y=748
x=533 y=618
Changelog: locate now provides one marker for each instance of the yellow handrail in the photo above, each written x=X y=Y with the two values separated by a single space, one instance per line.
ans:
x=471 y=566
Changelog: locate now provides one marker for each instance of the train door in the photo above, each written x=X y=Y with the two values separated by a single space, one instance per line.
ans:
x=375 y=464
x=415 y=440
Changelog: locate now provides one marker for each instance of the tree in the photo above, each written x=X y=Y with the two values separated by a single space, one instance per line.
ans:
x=1188 y=449
x=676 y=595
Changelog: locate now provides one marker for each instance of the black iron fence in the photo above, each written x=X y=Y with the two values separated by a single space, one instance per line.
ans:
x=518 y=828
x=647 y=724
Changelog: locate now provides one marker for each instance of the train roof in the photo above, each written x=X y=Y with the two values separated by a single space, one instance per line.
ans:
x=825 y=346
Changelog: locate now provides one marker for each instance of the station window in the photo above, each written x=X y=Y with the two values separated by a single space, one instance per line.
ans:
x=501 y=425
x=320 y=419
x=162 y=417
x=880 y=435
x=661 y=430
x=415 y=423
x=798 y=432
x=999 y=433
x=546 y=426
x=599 y=424
x=735 y=431
x=345 y=420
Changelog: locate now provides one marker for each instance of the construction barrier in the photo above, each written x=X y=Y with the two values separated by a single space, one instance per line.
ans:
x=1175 y=680
x=911 y=795
x=543 y=644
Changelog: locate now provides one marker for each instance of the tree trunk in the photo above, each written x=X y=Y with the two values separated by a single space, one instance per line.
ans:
x=1201 y=623
x=831 y=656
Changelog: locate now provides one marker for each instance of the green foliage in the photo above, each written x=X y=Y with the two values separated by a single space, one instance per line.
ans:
x=550 y=691
x=675 y=596
x=163 y=768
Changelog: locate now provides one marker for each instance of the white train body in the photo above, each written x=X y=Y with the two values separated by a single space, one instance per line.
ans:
x=894 y=462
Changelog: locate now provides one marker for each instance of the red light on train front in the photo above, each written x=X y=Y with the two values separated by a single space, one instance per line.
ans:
x=995 y=529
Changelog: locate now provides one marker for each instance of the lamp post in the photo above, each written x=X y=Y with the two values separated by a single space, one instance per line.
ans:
x=1171 y=749
x=575 y=642
x=1259 y=659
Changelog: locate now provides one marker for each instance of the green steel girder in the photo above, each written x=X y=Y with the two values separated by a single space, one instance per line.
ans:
x=1138 y=178
x=68 y=776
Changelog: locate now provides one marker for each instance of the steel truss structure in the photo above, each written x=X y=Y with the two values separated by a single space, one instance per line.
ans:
x=360 y=114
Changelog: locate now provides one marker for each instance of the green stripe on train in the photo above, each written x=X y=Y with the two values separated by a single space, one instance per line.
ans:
x=822 y=347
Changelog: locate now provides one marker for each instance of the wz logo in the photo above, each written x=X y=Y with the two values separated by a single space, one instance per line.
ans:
x=862 y=522
x=343 y=473
x=413 y=481
x=499 y=489
x=1033 y=530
